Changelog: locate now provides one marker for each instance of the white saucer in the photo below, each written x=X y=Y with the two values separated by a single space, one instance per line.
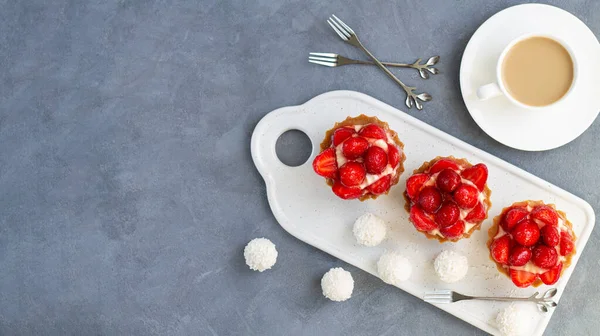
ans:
x=525 y=129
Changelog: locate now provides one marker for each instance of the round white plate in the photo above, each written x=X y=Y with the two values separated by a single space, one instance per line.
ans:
x=526 y=129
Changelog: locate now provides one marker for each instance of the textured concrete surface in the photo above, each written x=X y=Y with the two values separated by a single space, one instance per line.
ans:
x=127 y=191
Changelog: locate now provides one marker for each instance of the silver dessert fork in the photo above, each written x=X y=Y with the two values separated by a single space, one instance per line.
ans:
x=447 y=296
x=335 y=60
x=347 y=34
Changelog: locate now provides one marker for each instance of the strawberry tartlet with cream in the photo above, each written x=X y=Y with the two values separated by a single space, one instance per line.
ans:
x=532 y=243
x=361 y=158
x=448 y=198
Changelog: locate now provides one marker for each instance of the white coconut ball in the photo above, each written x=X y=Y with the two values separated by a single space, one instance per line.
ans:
x=337 y=284
x=451 y=266
x=513 y=321
x=393 y=268
x=369 y=230
x=260 y=254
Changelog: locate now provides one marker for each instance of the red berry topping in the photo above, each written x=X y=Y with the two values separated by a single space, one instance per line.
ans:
x=500 y=249
x=512 y=217
x=519 y=256
x=414 y=184
x=526 y=233
x=325 y=164
x=522 y=278
x=393 y=155
x=430 y=199
x=448 y=180
x=566 y=244
x=441 y=165
x=448 y=214
x=421 y=220
x=453 y=231
x=544 y=256
x=380 y=186
x=545 y=214
x=550 y=235
x=477 y=214
x=342 y=134
x=551 y=277
x=346 y=192
x=375 y=160
x=466 y=196
x=352 y=174
x=477 y=174
x=373 y=131
x=354 y=147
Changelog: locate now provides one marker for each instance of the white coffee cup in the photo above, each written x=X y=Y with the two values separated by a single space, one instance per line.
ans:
x=498 y=88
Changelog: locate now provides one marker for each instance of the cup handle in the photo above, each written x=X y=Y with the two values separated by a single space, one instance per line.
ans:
x=488 y=91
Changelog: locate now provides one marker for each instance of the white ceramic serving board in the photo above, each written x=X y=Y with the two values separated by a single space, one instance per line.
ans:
x=306 y=207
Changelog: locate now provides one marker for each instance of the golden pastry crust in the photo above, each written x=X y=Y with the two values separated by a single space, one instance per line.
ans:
x=493 y=231
x=364 y=120
x=464 y=163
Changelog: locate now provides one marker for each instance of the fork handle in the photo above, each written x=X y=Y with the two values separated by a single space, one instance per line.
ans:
x=506 y=299
x=399 y=65
x=382 y=67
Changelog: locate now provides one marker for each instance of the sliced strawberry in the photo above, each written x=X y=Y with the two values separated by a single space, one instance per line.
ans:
x=414 y=184
x=477 y=174
x=380 y=186
x=448 y=180
x=346 y=192
x=550 y=235
x=342 y=134
x=552 y=276
x=375 y=160
x=512 y=217
x=430 y=199
x=477 y=214
x=545 y=214
x=519 y=256
x=454 y=231
x=354 y=147
x=421 y=220
x=522 y=278
x=325 y=163
x=373 y=131
x=566 y=244
x=393 y=155
x=544 y=256
x=352 y=174
x=466 y=196
x=526 y=233
x=500 y=249
x=448 y=214
x=441 y=165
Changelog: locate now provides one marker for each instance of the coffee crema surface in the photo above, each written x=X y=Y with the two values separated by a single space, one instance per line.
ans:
x=537 y=71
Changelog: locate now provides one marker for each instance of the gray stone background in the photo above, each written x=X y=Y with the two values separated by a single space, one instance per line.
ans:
x=127 y=190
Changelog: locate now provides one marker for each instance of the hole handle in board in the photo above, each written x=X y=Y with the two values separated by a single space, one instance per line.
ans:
x=266 y=133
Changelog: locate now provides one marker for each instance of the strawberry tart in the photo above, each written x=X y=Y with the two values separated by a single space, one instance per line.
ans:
x=448 y=198
x=532 y=243
x=361 y=158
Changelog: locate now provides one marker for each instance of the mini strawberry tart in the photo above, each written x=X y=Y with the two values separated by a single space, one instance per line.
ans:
x=361 y=158
x=448 y=198
x=532 y=243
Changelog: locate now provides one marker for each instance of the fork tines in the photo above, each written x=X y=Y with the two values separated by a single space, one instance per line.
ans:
x=439 y=296
x=326 y=59
x=340 y=27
